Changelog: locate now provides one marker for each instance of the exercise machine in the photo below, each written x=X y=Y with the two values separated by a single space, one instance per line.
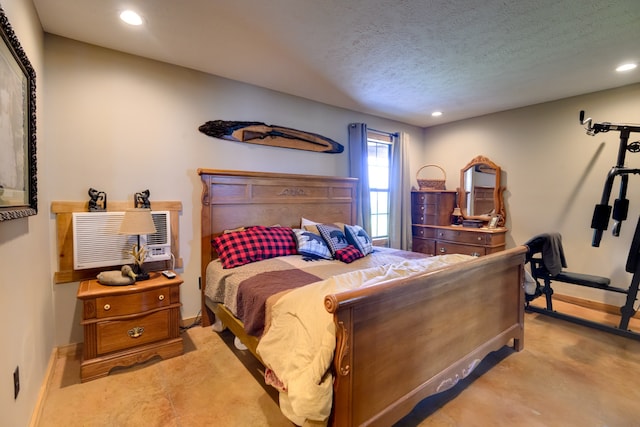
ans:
x=546 y=250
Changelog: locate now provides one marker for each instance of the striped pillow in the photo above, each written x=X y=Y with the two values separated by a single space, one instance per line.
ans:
x=334 y=236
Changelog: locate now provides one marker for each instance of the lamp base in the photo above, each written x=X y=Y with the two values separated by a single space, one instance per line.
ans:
x=142 y=276
x=140 y=273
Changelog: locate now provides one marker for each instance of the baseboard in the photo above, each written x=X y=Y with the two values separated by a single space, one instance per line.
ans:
x=190 y=321
x=590 y=304
x=44 y=388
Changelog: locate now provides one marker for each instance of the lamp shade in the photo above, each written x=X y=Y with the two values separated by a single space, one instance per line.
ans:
x=137 y=221
x=456 y=212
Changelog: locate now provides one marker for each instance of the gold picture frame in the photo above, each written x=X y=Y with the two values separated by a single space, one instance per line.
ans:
x=18 y=171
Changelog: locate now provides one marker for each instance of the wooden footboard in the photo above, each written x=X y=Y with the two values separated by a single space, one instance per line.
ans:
x=402 y=342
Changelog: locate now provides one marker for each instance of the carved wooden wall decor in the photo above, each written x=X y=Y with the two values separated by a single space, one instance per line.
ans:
x=275 y=136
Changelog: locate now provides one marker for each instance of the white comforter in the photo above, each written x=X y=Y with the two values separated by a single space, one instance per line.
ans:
x=300 y=341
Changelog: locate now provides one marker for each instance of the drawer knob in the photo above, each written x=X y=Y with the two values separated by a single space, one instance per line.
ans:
x=107 y=307
x=161 y=297
x=479 y=238
x=442 y=250
x=135 y=332
x=476 y=254
x=440 y=234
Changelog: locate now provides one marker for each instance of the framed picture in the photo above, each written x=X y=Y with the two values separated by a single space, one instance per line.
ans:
x=18 y=172
x=493 y=222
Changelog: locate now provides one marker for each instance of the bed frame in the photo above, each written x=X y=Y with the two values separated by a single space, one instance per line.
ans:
x=397 y=343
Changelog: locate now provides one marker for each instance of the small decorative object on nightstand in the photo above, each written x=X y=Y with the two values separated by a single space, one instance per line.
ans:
x=136 y=222
x=124 y=325
x=97 y=200
x=141 y=200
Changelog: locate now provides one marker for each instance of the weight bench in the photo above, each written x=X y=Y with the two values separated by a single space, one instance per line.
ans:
x=547 y=263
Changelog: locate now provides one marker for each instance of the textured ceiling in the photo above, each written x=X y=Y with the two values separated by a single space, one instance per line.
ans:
x=400 y=59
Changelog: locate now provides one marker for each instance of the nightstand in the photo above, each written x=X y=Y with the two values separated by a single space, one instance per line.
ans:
x=124 y=325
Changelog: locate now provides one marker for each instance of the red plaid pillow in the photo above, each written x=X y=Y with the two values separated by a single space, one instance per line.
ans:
x=348 y=254
x=254 y=244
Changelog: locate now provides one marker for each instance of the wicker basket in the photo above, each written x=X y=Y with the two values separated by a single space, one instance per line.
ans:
x=431 y=184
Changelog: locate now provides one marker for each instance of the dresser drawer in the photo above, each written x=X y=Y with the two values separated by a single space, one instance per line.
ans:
x=425 y=232
x=463 y=236
x=443 y=248
x=120 y=334
x=424 y=210
x=433 y=198
x=120 y=305
x=436 y=219
x=425 y=246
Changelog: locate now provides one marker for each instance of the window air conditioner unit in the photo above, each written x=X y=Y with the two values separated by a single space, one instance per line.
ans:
x=97 y=243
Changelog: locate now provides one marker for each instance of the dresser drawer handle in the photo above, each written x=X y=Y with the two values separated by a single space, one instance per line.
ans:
x=476 y=254
x=107 y=307
x=161 y=297
x=135 y=332
x=479 y=238
x=440 y=234
x=443 y=250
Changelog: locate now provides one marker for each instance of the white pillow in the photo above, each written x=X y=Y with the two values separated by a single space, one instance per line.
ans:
x=307 y=222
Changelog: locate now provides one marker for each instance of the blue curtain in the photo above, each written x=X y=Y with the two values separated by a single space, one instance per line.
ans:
x=400 y=186
x=358 y=168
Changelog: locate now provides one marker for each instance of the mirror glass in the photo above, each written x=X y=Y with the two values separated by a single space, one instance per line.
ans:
x=480 y=193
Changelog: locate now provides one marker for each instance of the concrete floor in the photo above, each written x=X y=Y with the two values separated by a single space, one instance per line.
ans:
x=567 y=375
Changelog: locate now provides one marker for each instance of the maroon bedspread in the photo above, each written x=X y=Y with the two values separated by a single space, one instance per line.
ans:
x=253 y=294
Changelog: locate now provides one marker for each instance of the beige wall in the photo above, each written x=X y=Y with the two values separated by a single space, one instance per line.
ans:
x=122 y=124
x=554 y=173
x=26 y=312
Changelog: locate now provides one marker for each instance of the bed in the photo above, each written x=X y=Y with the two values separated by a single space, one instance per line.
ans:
x=395 y=343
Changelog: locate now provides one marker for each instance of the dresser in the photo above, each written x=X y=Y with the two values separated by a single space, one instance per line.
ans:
x=441 y=239
x=433 y=233
x=124 y=325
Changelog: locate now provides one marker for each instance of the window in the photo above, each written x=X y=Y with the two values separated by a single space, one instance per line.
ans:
x=379 y=163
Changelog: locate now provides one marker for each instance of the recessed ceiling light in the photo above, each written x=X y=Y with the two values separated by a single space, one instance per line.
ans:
x=627 y=67
x=436 y=113
x=131 y=18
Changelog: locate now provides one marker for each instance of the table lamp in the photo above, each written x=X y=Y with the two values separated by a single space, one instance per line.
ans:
x=456 y=216
x=136 y=222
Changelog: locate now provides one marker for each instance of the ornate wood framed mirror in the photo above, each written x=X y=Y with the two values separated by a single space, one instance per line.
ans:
x=480 y=192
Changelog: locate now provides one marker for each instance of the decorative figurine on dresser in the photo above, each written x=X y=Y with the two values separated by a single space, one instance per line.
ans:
x=467 y=221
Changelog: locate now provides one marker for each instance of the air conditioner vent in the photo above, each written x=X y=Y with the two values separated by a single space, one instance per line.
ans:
x=97 y=243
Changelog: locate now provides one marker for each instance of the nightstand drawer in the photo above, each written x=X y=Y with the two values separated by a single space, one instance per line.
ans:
x=120 y=305
x=120 y=334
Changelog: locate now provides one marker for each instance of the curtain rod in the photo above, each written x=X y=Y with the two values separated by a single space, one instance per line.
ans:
x=396 y=134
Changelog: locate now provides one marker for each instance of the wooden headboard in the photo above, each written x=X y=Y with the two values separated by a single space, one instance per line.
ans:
x=232 y=199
